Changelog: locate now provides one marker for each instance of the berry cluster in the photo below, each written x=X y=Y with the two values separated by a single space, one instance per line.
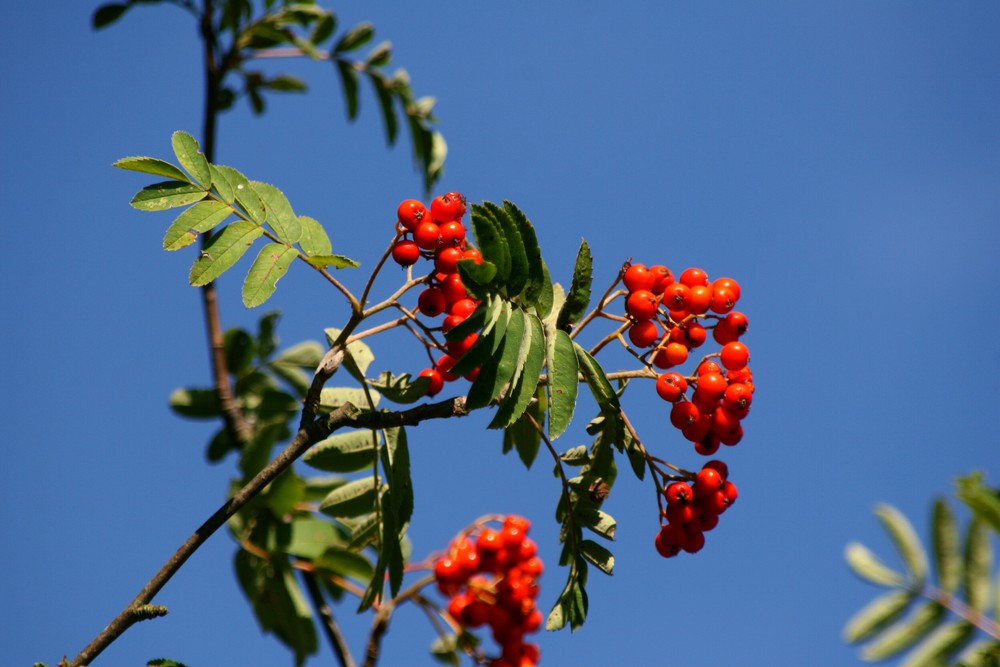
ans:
x=491 y=577
x=438 y=235
x=667 y=316
x=694 y=509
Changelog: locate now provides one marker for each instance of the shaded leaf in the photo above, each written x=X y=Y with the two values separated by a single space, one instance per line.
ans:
x=240 y=349
x=600 y=522
x=285 y=83
x=355 y=38
x=904 y=537
x=598 y=555
x=167 y=195
x=563 y=381
x=867 y=565
x=876 y=615
x=345 y=563
x=517 y=277
x=981 y=499
x=343 y=452
x=195 y=403
x=349 y=80
x=533 y=253
x=531 y=357
x=940 y=645
x=904 y=634
x=223 y=251
x=400 y=389
x=350 y=500
x=578 y=298
x=151 y=165
x=944 y=533
x=107 y=14
x=270 y=266
x=491 y=242
x=385 y=101
x=978 y=565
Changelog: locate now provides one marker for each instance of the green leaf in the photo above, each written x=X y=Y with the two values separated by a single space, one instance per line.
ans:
x=222 y=185
x=904 y=537
x=598 y=555
x=476 y=321
x=270 y=266
x=530 y=359
x=476 y=275
x=494 y=376
x=978 y=566
x=980 y=654
x=517 y=277
x=223 y=251
x=243 y=194
x=385 y=101
x=286 y=83
x=323 y=29
x=343 y=452
x=495 y=315
x=522 y=434
x=307 y=354
x=945 y=544
x=904 y=634
x=545 y=300
x=600 y=522
x=336 y=261
x=399 y=389
x=363 y=532
x=240 y=349
x=167 y=195
x=280 y=215
x=867 y=565
x=345 y=563
x=191 y=158
x=981 y=499
x=195 y=403
x=164 y=662
x=349 y=80
x=200 y=218
x=602 y=390
x=940 y=645
x=491 y=242
x=397 y=507
x=876 y=615
x=314 y=239
x=151 y=165
x=563 y=381
x=578 y=298
x=352 y=499
x=533 y=253
x=355 y=38
x=107 y=14
x=333 y=397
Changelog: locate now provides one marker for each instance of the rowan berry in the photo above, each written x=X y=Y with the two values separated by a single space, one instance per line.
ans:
x=737 y=398
x=643 y=334
x=719 y=467
x=410 y=214
x=463 y=308
x=431 y=302
x=708 y=367
x=701 y=300
x=405 y=253
x=450 y=322
x=730 y=328
x=446 y=259
x=693 y=542
x=707 y=445
x=723 y=299
x=448 y=207
x=683 y=414
x=708 y=481
x=679 y=493
x=437 y=382
x=456 y=348
x=443 y=367
x=453 y=288
x=693 y=276
x=694 y=334
x=452 y=233
x=733 y=437
x=669 y=540
x=427 y=235
x=699 y=429
x=473 y=254
x=663 y=278
x=642 y=305
x=671 y=386
x=637 y=277
x=724 y=422
x=711 y=385
x=729 y=284
x=734 y=356
x=676 y=297
x=730 y=491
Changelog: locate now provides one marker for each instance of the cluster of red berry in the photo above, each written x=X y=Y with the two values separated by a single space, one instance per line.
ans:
x=439 y=236
x=667 y=317
x=694 y=509
x=491 y=577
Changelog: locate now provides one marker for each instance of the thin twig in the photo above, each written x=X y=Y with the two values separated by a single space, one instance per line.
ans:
x=333 y=633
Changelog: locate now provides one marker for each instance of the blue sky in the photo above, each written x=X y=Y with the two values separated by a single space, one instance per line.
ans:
x=841 y=160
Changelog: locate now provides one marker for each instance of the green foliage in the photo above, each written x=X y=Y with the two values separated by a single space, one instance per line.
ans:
x=242 y=37
x=934 y=624
x=215 y=194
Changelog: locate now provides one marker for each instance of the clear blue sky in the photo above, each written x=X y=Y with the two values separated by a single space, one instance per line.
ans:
x=840 y=159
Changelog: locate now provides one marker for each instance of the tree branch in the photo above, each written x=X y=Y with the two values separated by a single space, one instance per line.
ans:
x=333 y=634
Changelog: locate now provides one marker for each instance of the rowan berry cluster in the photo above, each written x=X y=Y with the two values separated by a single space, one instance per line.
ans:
x=438 y=235
x=667 y=317
x=491 y=577
x=694 y=509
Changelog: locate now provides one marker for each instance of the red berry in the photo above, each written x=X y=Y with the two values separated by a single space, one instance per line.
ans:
x=410 y=213
x=676 y=297
x=448 y=207
x=693 y=542
x=642 y=305
x=671 y=386
x=443 y=366
x=643 y=334
x=473 y=254
x=722 y=299
x=679 y=493
x=456 y=348
x=730 y=491
x=708 y=481
x=405 y=253
x=694 y=334
x=663 y=278
x=708 y=367
x=693 y=277
x=719 y=467
x=711 y=385
x=737 y=399
x=669 y=540
x=684 y=414
x=637 y=277
x=734 y=356
x=729 y=284
x=446 y=259
x=453 y=288
x=463 y=308
x=452 y=233
x=675 y=354
x=427 y=235
x=431 y=302
x=488 y=541
x=437 y=382
x=730 y=328
x=701 y=300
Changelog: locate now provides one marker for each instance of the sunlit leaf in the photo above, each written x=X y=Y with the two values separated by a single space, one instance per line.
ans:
x=400 y=388
x=151 y=165
x=579 y=291
x=904 y=537
x=940 y=645
x=598 y=555
x=563 y=381
x=198 y=219
x=313 y=239
x=867 y=565
x=904 y=633
x=352 y=499
x=876 y=615
x=280 y=216
x=191 y=158
x=944 y=533
x=343 y=452
x=223 y=251
x=167 y=195
x=978 y=565
x=270 y=266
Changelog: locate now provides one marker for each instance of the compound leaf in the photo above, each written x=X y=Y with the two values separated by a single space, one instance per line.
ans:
x=270 y=266
x=191 y=158
x=947 y=558
x=151 y=165
x=876 y=615
x=197 y=219
x=578 y=298
x=343 y=452
x=167 y=195
x=904 y=537
x=223 y=251
x=867 y=565
x=563 y=372
x=280 y=215
x=904 y=634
